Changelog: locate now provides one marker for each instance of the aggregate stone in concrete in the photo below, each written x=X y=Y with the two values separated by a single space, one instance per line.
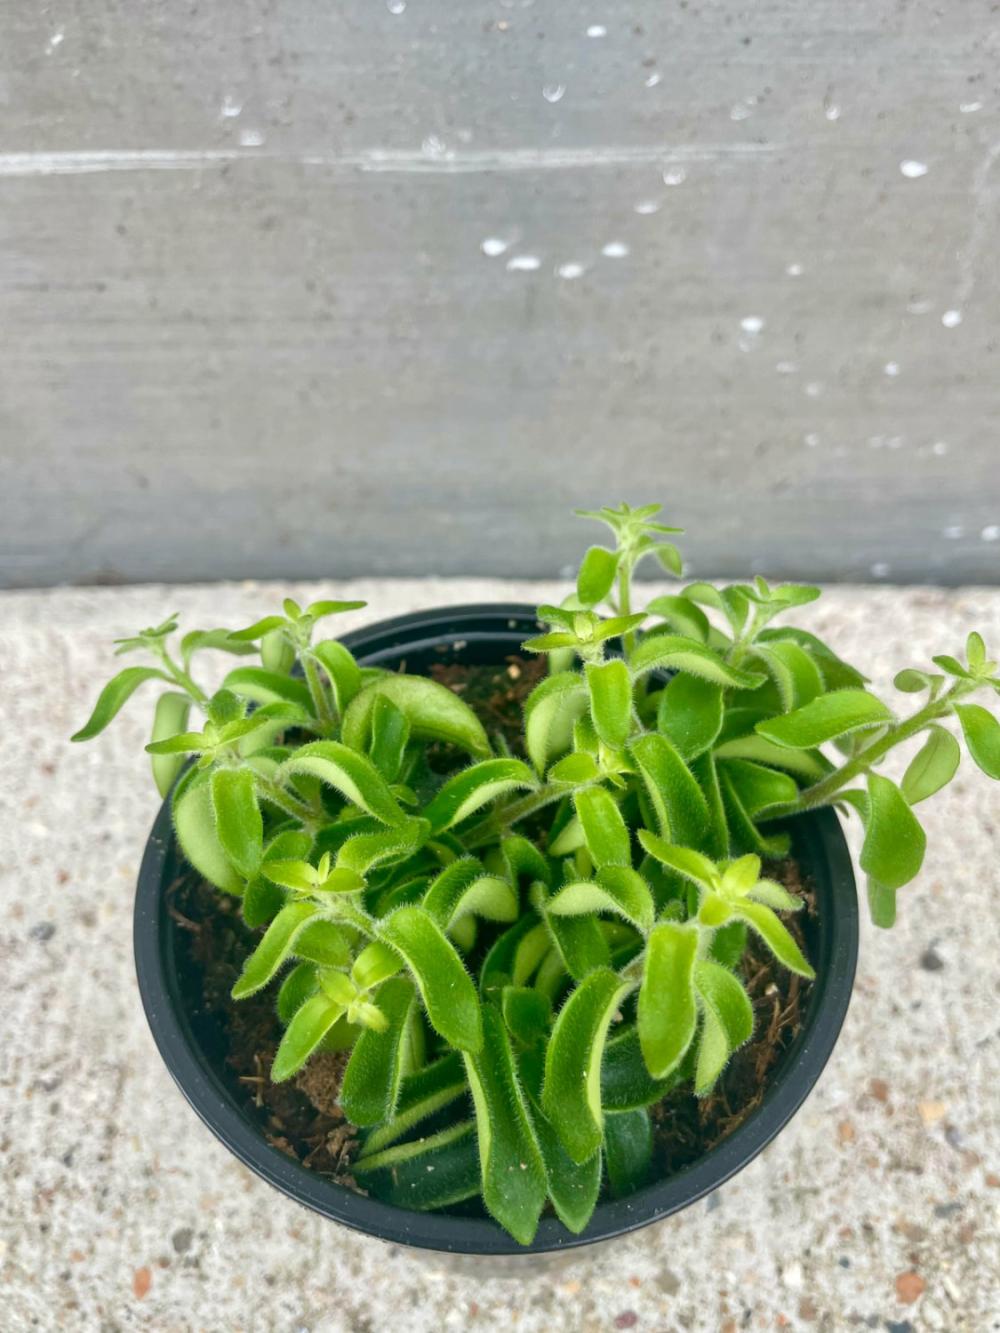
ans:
x=877 y=1208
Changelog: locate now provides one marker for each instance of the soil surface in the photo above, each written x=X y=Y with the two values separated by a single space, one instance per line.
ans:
x=303 y=1118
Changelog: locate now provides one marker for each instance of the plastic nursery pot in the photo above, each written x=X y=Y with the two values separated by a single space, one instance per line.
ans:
x=487 y=635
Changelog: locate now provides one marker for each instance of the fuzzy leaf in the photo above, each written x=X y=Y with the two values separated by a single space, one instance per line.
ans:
x=933 y=766
x=663 y=652
x=687 y=862
x=982 y=736
x=775 y=935
x=299 y=984
x=422 y=1094
x=267 y=687
x=549 y=713
x=759 y=788
x=796 y=675
x=825 y=719
x=625 y=1081
x=515 y=955
x=667 y=1016
x=618 y=889
x=690 y=713
x=463 y=888
x=277 y=945
x=679 y=804
x=573 y=1187
x=575 y=769
x=682 y=615
x=628 y=1151
x=807 y=764
x=893 y=849
x=309 y=1025
x=604 y=828
x=526 y=1013
x=362 y=851
x=571 y=1095
x=238 y=821
x=426 y=1173
x=881 y=904
x=113 y=697
x=466 y=792
x=194 y=826
x=258 y=629
x=433 y=711
x=610 y=688
x=728 y=1021
x=513 y=1172
x=370 y=1088
x=390 y=732
x=352 y=774
x=597 y=575
x=169 y=718
x=445 y=987
x=341 y=668
x=837 y=674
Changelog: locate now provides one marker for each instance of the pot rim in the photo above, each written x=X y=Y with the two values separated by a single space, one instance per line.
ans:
x=788 y=1087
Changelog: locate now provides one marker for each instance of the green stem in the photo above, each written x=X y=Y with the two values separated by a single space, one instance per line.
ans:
x=182 y=678
x=284 y=800
x=625 y=601
x=320 y=699
x=491 y=829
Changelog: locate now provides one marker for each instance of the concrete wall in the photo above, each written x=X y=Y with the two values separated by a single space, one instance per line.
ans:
x=746 y=262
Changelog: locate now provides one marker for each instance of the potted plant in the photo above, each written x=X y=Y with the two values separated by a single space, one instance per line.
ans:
x=489 y=979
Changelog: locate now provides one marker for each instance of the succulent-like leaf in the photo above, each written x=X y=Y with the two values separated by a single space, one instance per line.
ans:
x=795 y=673
x=610 y=687
x=433 y=711
x=342 y=670
x=667 y=1016
x=663 y=652
x=370 y=1088
x=826 y=719
x=893 y=849
x=571 y=1096
x=577 y=770
x=617 y=889
x=679 y=803
x=682 y=615
x=775 y=935
x=309 y=1025
x=933 y=766
x=759 y=788
x=526 y=1013
x=463 y=888
x=628 y=1150
x=807 y=764
x=573 y=1187
x=550 y=711
x=299 y=984
x=422 y=1094
x=604 y=828
x=513 y=1172
x=471 y=789
x=690 y=713
x=169 y=718
x=238 y=821
x=684 y=860
x=514 y=955
x=625 y=1081
x=426 y=1173
x=597 y=575
x=727 y=1021
x=445 y=987
x=276 y=946
x=881 y=904
x=323 y=942
x=267 y=625
x=362 y=851
x=982 y=736
x=352 y=774
x=390 y=732
x=114 y=696
x=267 y=687
x=194 y=826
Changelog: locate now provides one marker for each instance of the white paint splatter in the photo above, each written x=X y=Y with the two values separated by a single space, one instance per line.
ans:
x=751 y=324
x=395 y=6
x=787 y=367
x=251 y=138
x=674 y=176
x=597 y=30
x=614 y=250
x=891 y=368
x=554 y=92
x=939 y=448
x=951 y=319
x=811 y=440
x=493 y=246
x=832 y=111
x=991 y=533
x=653 y=79
x=523 y=263
x=231 y=107
x=570 y=270
x=57 y=39
x=967 y=108
x=794 y=270
x=953 y=532
x=913 y=170
x=814 y=388
x=647 y=206
x=881 y=569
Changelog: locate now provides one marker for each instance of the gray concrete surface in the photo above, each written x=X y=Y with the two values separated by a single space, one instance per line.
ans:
x=741 y=258
x=877 y=1208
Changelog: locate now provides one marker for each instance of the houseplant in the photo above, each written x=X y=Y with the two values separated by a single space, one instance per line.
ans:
x=523 y=953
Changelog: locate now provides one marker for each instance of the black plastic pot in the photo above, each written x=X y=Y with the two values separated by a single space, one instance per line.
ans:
x=488 y=634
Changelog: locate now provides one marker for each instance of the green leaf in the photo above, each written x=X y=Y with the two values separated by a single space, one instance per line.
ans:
x=667 y=1016
x=618 y=889
x=807 y=764
x=953 y=667
x=982 y=736
x=881 y=904
x=670 y=558
x=194 y=826
x=198 y=640
x=825 y=719
x=690 y=713
x=597 y=575
x=445 y=987
x=261 y=902
x=422 y=1094
x=526 y=1013
x=169 y=718
x=579 y=943
x=911 y=681
x=433 y=711
x=610 y=687
x=324 y=943
x=463 y=888
x=370 y=1088
x=475 y=787
x=837 y=674
x=759 y=788
x=389 y=736
x=362 y=851
x=268 y=687
x=549 y=713
x=575 y=769
x=604 y=828
x=571 y=1095
x=297 y=987
x=342 y=670
x=277 y=652
x=352 y=774
x=277 y=945
x=663 y=652
x=513 y=1172
x=795 y=673
x=514 y=955
x=687 y=862
x=933 y=766
x=330 y=608
x=775 y=935
x=628 y=1151
x=238 y=821
x=309 y=1025
x=893 y=849
x=727 y=1021
x=573 y=1187
x=113 y=697
x=682 y=615
x=188 y=742
x=625 y=1081
x=426 y=1173
x=258 y=629
x=678 y=802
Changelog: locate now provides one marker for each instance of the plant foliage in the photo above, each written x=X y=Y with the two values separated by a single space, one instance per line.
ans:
x=526 y=954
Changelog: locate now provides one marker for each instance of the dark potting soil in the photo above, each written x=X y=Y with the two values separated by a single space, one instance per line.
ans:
x=303 y=1119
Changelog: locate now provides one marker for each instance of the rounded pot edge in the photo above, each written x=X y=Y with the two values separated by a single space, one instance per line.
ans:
x=480 y=632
